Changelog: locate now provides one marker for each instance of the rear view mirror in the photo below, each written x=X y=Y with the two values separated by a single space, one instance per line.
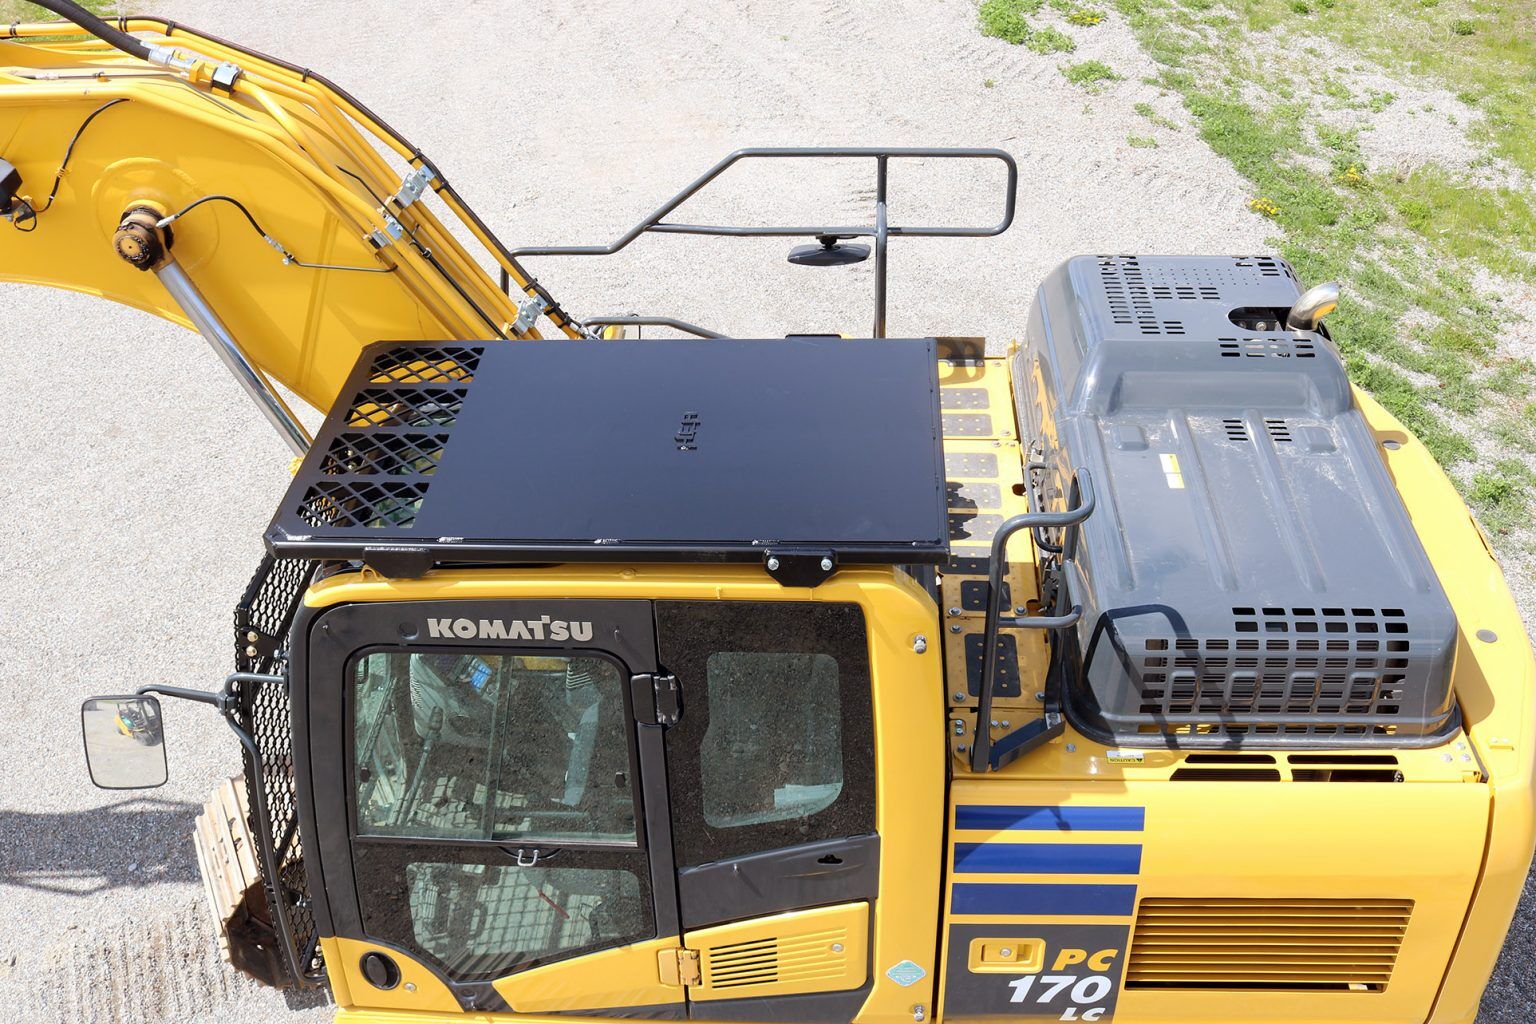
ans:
x=124 y=742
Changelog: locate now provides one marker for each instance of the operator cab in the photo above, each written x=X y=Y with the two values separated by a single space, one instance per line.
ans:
x=515 y=761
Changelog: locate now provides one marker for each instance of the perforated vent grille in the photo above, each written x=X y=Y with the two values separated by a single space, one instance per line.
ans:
x=1337 y=944
x=1130 y=297
x=379 y=470
x=1260 y=348
x=1265 y=266
x=1303 y=671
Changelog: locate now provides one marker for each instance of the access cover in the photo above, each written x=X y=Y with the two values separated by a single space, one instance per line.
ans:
x=718 y=450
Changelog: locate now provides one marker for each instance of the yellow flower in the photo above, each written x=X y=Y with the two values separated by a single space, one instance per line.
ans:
x=1263 y=206
x=1351 y=175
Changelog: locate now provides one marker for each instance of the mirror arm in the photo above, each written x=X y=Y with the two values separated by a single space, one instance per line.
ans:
x=201 y=696
x=224 y=700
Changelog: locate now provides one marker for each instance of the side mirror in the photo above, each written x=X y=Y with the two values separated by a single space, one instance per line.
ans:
x=124 y=742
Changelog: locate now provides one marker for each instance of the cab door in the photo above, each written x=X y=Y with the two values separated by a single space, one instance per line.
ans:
x=487 y=843
x=771 y=775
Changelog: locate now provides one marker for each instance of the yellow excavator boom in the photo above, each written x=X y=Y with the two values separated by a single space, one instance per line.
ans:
x=300 y=217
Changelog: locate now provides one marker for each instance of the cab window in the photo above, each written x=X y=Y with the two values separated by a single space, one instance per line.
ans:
x=775 y=746
x=491 y=746
x=480 y=915
x=495 y=807
x=758 y=763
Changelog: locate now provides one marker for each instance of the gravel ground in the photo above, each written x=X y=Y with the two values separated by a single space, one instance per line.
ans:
x=138 y=518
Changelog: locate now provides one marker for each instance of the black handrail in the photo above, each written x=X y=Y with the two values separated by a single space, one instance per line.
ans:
x=651 y=321
x=881 y=231
x=985 y=754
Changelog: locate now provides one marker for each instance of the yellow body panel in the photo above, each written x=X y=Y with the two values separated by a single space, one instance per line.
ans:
x=1266 y=842
x=612 y=978
x=821 y=950
x=419 y=988
x=908 y=714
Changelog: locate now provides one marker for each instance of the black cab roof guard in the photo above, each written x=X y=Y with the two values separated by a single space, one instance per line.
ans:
x=799 y=453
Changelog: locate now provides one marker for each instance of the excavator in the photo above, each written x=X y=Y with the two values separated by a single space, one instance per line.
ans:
x=1146 y=672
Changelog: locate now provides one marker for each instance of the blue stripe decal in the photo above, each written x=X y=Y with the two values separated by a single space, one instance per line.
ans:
x=999 y=899
x=1048 y=858
x=1051 y=819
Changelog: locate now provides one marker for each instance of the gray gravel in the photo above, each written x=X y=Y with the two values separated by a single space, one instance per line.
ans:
x=140 y=478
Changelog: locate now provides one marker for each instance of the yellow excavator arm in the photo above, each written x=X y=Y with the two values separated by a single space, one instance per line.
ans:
x=242 y=196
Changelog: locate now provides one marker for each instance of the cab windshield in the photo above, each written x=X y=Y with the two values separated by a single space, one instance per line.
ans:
x=492 y=747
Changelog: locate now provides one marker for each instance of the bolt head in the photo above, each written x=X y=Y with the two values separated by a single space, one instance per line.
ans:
x=837 y=947
x=1005 y=951
x=773 y=565
x=958 y=696
x=826 y=565
x=1071 y=748
x=920 y=644
x=954 y=611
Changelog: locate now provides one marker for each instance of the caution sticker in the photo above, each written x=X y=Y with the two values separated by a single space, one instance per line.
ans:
x=1124 y=756
x=1171 y=471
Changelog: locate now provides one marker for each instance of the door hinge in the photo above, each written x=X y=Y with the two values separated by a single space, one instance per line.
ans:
x=658 y=699
x=678 y=966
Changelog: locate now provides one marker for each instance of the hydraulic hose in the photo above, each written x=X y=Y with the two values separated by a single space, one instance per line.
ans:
x=69 y=11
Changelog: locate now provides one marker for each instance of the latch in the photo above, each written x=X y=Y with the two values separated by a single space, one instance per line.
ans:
x=678 y=967
x=658 y=699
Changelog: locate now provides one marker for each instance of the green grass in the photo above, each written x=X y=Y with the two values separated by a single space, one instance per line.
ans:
x=1501 y=497
x=1008 y=20
x=1141 y=142
x=1090 y=74
x=17 y=10
x=1049 y=40
x=1146 y=110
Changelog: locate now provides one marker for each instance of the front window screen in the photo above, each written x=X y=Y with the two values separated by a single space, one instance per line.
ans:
x=485 y=920
x=491 y=747
x=773 y=750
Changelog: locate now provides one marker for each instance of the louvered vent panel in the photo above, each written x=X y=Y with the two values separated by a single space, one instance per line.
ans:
x=784 y=960
x=1348 y=945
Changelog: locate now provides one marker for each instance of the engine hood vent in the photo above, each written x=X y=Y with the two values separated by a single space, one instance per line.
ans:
x=1269 y=944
